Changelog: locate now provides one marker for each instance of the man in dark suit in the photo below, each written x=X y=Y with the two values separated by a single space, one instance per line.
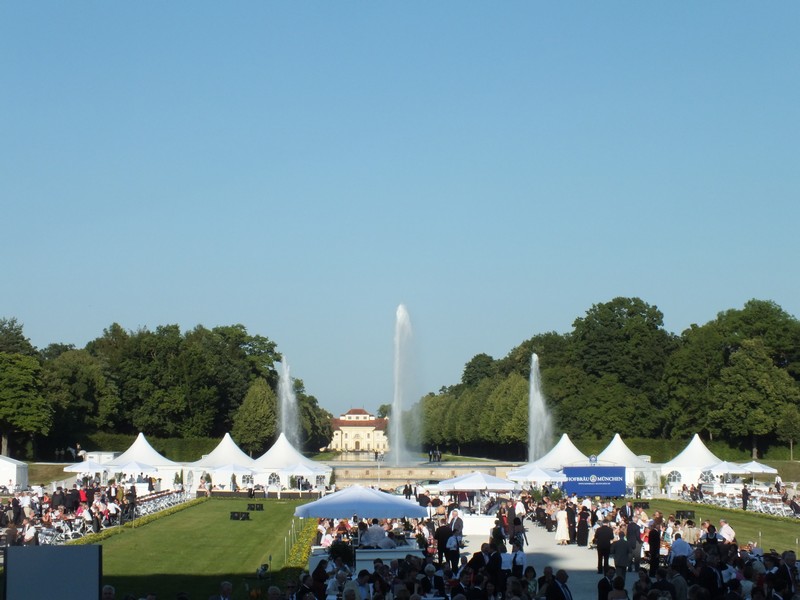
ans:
x=787 y=570
x=634 y=536
x=480 y=559
x=603 y=537
x=559 y=590
x=432 y=583
x=457 y=525
x=546 y=581
x=627 y=511
x=477 y=591
x=604 y=585
x=495 y=565
x=442 y=533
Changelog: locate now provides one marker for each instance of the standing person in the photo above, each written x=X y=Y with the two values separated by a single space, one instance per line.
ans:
x=745 y=496
x=572 y=522
x=621 y=552
x=583 y=527
x=604 y=585
x=562 y=528
x=654 y=540
x=603 y=537
x=559 y=590
x=457 y=525
x=225 y=591
x=634 y=535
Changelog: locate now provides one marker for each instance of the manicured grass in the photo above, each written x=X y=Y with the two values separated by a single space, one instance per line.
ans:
x=773 y=532
x=42 y=474
x=195 y=549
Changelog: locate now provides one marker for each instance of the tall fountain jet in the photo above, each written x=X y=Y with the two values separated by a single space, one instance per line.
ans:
x=402 y=336
x=287 y=406
x=540 y=423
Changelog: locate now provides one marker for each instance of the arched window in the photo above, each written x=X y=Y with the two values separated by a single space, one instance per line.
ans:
x=674 y=477
x=274 y=479
x=320 y=480
x=707 y=477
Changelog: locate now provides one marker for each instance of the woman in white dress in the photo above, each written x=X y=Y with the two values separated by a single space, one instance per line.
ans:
x=562 y=528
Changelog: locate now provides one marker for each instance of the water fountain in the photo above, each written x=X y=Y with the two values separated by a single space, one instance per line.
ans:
x=400 y=452
x=540 y=423
x=287 y=406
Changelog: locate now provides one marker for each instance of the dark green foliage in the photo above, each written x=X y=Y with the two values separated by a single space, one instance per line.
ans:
x=619 y=370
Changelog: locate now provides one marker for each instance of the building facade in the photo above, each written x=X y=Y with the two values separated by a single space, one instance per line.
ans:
x=359 y=431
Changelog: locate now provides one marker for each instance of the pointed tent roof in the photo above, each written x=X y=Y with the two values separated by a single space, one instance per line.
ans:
x=617 y=452
x=694 y=455
x=563 y=453
x=141 y=451
x=283 y=455
x=226 y=453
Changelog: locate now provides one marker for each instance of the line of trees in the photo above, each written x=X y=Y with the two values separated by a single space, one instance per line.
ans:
x=165 y=383
x=733 y=379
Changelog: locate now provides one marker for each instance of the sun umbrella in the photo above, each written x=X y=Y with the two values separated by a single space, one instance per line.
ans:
x=361 y=501
x=86 y=466
x=757 y=467
x=135 y=467
x=477 y=481
x=725 y=467
x=529 y=473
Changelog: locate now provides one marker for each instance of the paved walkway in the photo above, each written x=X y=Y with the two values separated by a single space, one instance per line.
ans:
x=542 y=551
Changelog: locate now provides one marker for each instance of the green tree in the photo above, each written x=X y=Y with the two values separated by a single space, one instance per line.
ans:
x=479 y=367
x=255 y=422
x=83 y=397
x=750 y=393
x=384 y=410
x=624 y=337
x=23 y=409
x=12 y=338
x=788 y=426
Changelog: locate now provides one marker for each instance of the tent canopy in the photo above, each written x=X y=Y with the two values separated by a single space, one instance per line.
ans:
x=477 y=481
x=532 y=473
x=693 y=455
x=361 y=501
x=283 y=455
x=86 y=466
x=226 y=453
x=618 y=453
x=564 y=453
x=140 y=451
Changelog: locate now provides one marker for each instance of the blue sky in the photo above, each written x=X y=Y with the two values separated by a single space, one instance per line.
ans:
x=304 y=167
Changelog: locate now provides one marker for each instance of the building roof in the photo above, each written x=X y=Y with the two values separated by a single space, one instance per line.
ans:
x=356 y=411
x=378 y=424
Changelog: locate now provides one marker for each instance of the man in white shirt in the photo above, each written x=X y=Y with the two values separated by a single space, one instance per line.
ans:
x=726 y=531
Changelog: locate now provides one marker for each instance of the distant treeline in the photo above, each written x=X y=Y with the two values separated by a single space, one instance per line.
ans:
x=166 y=383
x=733 y=380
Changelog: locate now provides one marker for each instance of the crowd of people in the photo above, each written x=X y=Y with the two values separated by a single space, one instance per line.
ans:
x=85 y=508
x=639 y=557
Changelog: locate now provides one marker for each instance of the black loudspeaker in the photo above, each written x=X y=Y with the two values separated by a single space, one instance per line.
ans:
x=644 y=505
x=684 y=514
x=235 y=516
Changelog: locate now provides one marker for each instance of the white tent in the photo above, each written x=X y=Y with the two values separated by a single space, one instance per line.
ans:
x=13 y=472
x=757 y=467
x=533 y=474
x=617 y=453
x=687 y=466
x=226 y=454
x=274 y=465
x=477 y=481
x=361 y=501
x=724 y=468
x=563 y=454
x=143 y=453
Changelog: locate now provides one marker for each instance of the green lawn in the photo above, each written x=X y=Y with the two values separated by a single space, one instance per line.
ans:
x=193 y=550
x=778 y=533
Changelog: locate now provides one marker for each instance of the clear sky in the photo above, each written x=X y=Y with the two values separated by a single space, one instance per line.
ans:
x=304 y=167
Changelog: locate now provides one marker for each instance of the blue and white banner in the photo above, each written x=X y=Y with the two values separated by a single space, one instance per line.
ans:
x=595 y=481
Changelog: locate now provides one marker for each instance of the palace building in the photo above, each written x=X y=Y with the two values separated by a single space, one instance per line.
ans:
x=357 y=431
